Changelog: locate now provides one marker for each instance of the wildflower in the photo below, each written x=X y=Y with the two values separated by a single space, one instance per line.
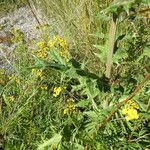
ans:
x=44 y=87
x=56 y=38
x=38 y=73
x=11 y=77
x=130 y=110
x=133 y=104
x=57 y=91
x=17 y=80
x=42 y=45
x=69 y=107
x=130 y=113
x=18 y=35
x=62 y=53
x=61 y=41
x=11 y=98
x=51 y=43
x=41 y=54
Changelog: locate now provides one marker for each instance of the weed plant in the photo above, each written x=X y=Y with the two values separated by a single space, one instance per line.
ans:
x=53 y=100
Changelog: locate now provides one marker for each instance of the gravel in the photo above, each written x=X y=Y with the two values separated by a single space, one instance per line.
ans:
x=23 y=20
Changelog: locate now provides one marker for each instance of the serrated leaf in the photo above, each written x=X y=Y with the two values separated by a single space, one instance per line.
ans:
x=53 y=142
x=78 y=146
x=103 y=52
x=83 y=103
x=120 y=54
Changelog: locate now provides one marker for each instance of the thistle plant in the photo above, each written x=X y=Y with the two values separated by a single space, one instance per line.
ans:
x=53 y=100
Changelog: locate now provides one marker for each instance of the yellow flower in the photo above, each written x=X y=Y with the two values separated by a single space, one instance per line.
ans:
x=18 y=35
x=57 y=91
x=130 y=110
x=133 y=104
x=66 y=111
x=51 y=43
x=41 y=54
x=56 y=38
x=37 y=72
x=69 y=107
x=17 y=81
x=42 y=45
x=61 y=41
x=11 y=98
x=44 y=87
x=125 y=111
x=11 y=77
x=147 y=149
x=132 y=114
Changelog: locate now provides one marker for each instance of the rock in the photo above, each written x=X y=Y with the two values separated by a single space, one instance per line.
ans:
x=21 y=19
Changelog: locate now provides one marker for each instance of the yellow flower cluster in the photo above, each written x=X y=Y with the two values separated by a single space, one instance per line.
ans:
x=42 y=45
x=37 y=72
x=40 y=53
x=57 y=91
x=18 y=35
x=44 y=87
x=58 y=43
x=130 y=110
x=51 y=43
x=61 y=42
x=11 y=98
x=70 y=107
x=15 y=78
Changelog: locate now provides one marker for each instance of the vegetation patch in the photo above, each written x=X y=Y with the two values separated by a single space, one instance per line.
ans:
x=58 y=98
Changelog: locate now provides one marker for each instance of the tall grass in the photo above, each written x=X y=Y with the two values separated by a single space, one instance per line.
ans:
x=79 y=20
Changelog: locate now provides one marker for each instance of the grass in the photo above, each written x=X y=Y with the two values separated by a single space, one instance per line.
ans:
x=57 y=97
x=78 y=21
x=9 y=6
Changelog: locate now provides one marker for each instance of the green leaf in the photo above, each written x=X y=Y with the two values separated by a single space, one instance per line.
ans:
x=119 y=55
x=83 y=103
x=6 y=100
x=127 y=5
x=99 y=35
x=146 y=115
x=56 y=57
x=146 y=1
x=146 y=53
x=103 y=52
x=53 y=142
x=78 y=146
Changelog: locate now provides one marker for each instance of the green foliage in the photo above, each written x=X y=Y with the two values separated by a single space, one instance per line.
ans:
x=52 y=100
x=9 y=5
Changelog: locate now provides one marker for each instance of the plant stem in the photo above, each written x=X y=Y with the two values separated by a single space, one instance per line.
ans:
x=34 y=14
x=107 y=119
x=112 y=34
